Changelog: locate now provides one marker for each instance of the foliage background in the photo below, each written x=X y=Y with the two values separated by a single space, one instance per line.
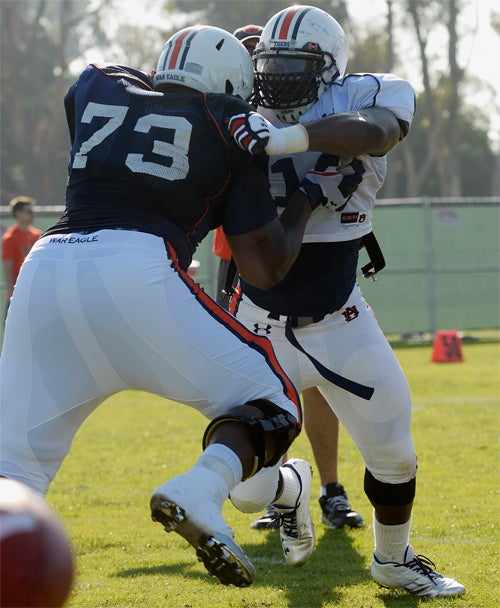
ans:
x=44 y=44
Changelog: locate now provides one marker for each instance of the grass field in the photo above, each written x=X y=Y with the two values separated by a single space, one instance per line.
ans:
x=136 y=441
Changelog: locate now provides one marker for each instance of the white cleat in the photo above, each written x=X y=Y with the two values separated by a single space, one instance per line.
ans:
x=297 y=529
x=416 y=575
x=197 y=518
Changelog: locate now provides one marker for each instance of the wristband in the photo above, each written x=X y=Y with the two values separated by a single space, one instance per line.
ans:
x=288 y=140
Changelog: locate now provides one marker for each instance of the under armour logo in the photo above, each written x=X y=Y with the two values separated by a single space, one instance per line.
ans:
x=350 y=313
x=262 y=328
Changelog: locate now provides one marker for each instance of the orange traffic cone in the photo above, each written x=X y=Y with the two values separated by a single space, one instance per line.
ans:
x=447 y=347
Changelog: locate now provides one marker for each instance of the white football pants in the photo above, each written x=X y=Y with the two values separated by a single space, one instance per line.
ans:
x=96 y=314
x=350 y=343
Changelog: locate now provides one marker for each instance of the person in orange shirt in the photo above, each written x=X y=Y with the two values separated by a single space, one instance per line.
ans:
x=18 y=240
x=223 y=252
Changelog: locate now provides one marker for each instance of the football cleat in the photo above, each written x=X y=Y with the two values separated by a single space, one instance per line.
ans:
x=296 y=526
x=270 y=520
x=416 y=575
x=200 y=522
x=336 y=512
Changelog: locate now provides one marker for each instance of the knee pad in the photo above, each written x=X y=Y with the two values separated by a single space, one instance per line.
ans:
x=395 y=494
x=277 y=424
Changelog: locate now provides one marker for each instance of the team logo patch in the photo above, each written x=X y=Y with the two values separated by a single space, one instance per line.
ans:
x=349 y=218
x=350 y=313
x=194 y=68
x=261 y=328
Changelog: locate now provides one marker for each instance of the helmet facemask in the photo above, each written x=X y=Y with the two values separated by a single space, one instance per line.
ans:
x=291 y=82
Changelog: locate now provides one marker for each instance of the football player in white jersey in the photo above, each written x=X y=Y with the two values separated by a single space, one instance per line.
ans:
x=323 y=331
x=335 y=506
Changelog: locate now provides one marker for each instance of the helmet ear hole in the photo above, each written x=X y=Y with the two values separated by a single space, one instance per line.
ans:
x=229 y=87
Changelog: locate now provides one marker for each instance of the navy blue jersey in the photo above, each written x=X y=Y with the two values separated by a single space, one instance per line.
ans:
x=318 y=283
x=158 y=162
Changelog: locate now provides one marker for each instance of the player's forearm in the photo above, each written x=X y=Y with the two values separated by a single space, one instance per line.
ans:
x=354 y=133
x=293 y=221
x=370 y=131
x=265 y=256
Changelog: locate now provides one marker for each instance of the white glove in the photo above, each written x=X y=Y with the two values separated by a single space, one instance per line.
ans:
x=250 y=131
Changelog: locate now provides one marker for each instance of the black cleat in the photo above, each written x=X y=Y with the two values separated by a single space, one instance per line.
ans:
x=269 y=520
x=336 y=512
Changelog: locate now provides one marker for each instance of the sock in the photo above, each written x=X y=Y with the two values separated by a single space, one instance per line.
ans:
x=332 y=489
x=291 y=488
x=222 y=460
x=391 y=542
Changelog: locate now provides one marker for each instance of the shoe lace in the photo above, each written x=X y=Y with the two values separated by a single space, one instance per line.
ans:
x=422 y=564
x=288 y=522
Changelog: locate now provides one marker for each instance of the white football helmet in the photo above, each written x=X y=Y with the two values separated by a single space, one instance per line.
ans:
x=302 y=50
x=207 y=59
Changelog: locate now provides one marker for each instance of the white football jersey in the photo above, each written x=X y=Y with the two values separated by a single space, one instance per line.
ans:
x=350 y=184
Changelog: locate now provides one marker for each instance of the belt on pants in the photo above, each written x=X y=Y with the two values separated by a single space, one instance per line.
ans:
x=291 y=321
x=296 y=321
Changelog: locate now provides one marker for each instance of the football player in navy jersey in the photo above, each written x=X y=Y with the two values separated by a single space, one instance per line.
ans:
x=324 y=333
x=104 y=301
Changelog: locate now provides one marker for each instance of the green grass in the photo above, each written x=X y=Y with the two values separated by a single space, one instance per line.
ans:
x=136 y=441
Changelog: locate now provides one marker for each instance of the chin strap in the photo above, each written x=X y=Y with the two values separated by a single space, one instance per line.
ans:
x=377 y=260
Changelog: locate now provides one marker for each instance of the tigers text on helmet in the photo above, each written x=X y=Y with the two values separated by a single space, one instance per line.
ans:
x=207 y=59
x=302 y=50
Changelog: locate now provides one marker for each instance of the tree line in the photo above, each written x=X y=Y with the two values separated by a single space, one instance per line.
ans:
x=448 y=152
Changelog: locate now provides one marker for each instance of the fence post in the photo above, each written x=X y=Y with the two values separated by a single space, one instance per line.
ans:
x=430 y=268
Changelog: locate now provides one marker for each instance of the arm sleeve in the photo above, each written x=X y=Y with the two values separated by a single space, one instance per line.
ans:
x=384 y=91
x=360 y=91
x=69 y=106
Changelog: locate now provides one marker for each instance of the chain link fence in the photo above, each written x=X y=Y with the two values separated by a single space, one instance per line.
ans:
x=442 y=263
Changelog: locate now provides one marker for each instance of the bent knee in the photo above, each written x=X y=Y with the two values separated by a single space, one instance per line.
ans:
x=393 y=463
x=396 y=472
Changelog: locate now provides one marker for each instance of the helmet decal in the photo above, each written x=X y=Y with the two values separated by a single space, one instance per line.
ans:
x=207 y=59
x=293 y=16
x=176 y=45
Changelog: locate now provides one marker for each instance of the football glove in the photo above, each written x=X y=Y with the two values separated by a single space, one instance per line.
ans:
x=250 y=131
x=311 y=187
